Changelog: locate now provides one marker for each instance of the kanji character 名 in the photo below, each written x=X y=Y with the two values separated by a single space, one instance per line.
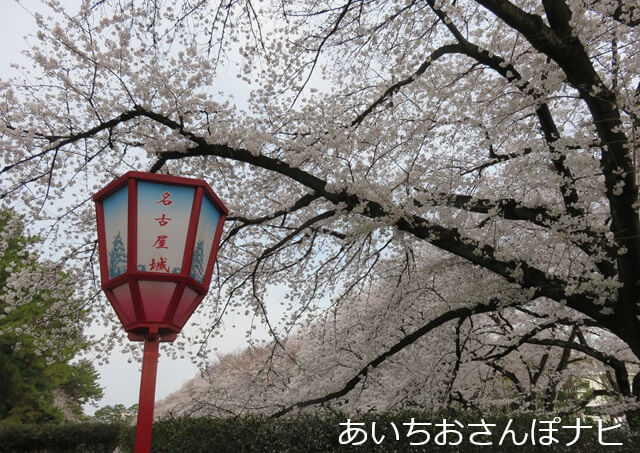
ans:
x=165 y=199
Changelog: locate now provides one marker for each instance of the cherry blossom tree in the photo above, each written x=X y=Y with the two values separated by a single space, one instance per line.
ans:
x=375 y=136
x=533 y=357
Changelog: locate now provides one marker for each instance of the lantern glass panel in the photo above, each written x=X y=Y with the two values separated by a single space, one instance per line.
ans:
x=156 y=297
x=115 y=225
x=124 y=301
x=163 y=222
x=207 y=225
x=187 y=300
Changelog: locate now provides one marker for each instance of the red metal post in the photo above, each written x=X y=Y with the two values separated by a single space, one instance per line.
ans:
x=147 y=394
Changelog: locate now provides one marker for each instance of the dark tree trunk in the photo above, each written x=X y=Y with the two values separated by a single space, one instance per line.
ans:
x=633 y=416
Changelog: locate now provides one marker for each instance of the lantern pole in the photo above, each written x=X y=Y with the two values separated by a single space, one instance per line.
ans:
x=147 y=393
x=133 y=282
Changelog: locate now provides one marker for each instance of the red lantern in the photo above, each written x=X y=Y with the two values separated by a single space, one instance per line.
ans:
x=157 y=238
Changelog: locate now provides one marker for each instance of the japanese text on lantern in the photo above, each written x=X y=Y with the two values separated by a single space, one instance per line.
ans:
x=160 y=265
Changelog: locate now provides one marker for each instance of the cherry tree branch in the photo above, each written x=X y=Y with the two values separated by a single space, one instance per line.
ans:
x=448 y=239
x=409 y=339
x=302 y=202
x=619 y=367
x=616 y=160
x=625 y=13
x=58 y=142
x=390 y=91
x=506 y=208
x=512 y=75
x=509 y=375
x=343 y=13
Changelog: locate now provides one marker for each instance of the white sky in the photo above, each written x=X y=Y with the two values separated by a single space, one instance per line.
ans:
x=119 y=379
x=14 y=23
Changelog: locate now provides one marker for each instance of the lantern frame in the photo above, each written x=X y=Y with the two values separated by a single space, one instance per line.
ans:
x=188 y=291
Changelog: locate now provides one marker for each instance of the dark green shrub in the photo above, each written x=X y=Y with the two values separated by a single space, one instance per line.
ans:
x=314 y=433
x=320 y=433
x=81 y=437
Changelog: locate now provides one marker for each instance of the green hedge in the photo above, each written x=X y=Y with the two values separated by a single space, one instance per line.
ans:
x=320 y=433
x=54 y=438
x=313 y=433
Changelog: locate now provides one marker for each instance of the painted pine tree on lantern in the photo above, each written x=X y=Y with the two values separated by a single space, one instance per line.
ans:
x=197 y=271
x=117 y=257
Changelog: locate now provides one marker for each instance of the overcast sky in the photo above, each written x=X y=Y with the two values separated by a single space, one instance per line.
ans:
x=119 y=378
